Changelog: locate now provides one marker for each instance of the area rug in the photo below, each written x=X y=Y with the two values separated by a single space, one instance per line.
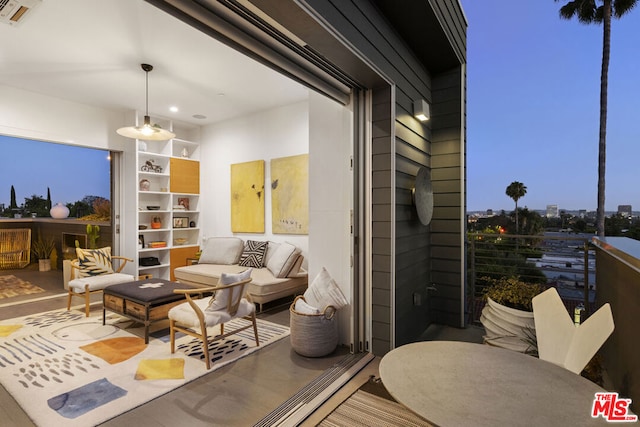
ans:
x=11 y=286
x=66 y=369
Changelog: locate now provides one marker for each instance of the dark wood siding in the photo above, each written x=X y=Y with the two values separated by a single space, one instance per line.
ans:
x=408 y=256
x=448 y=261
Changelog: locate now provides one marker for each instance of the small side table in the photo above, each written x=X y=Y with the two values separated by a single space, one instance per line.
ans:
x=192 y=261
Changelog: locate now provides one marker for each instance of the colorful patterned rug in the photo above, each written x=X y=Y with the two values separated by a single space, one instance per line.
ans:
x=11 y=286
x=66 y=369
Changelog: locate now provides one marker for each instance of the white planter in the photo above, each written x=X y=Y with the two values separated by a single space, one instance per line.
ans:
x=507 y=327
x=44 y=265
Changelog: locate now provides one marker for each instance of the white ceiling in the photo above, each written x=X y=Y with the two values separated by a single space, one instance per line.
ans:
x=90 y=51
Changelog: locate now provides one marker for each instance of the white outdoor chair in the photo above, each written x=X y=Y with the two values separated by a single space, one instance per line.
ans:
x=193 y=317
x=560 y=341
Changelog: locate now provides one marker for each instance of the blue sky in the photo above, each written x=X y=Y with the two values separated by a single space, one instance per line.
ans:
x=70 y=172
x=533 y=88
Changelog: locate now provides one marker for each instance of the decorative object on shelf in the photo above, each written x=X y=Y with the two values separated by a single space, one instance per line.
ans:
x=179 y=241
x=185 y=152
x=150 y=166
x=178 y=208
x=142 y=146
x=156 y=223
x=184 y=201
x=164 y=189
x=140 y=241
x=145 y=185
x=147 y=131
x=59 y=211
x=192 y=224
x=180 y=222
x=153 y=207
x=142 y=227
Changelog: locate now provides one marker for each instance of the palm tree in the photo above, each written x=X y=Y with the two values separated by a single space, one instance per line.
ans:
x=516 y=190
x=589 y=12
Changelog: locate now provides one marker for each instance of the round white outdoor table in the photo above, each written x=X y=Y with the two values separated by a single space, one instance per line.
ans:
x=463 y=384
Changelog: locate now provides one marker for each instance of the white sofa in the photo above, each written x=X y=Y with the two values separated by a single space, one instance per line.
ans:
x=277 y=273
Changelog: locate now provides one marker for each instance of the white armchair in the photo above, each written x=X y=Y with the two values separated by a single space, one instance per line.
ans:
x=194 y=316
x=93 y=271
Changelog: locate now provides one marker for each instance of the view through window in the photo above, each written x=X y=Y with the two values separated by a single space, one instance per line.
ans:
x=36 y=175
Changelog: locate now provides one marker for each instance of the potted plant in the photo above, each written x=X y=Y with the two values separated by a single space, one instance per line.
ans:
x=42 y=248
x=508 y=314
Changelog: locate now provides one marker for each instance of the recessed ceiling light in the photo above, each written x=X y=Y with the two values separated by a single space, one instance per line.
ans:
x=199 y=116
x=173 y=109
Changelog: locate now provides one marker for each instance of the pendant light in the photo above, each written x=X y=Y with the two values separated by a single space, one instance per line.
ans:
x=147 y=131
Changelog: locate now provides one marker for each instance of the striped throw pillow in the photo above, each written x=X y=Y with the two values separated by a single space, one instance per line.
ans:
x=253 y=254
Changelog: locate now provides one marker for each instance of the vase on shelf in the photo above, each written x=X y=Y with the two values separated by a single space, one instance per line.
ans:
x=156 y=222
x=145 y=185
x=59 y=211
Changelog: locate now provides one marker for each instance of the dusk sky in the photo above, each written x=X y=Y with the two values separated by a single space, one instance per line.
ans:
x=533 y=83
x=70 y=172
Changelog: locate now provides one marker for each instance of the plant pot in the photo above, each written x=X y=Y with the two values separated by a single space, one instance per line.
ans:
x=508 y=328
x=44 y=265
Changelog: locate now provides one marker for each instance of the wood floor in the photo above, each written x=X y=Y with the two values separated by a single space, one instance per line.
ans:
x=239 y=394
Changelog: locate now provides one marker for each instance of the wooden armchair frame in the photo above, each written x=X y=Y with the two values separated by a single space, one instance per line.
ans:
x=232 y=308
x=86 y=294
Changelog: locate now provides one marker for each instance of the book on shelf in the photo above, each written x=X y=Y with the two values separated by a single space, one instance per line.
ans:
x=157 y=244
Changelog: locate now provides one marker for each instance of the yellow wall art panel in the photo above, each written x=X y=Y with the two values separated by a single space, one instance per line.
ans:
x=247 y=197
x=290 y=195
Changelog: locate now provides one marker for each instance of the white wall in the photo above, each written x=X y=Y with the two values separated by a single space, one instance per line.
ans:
x=331 y=198
x=266 y=135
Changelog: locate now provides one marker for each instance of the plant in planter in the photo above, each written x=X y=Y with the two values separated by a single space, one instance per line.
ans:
x=41 y=248
x=508 y=315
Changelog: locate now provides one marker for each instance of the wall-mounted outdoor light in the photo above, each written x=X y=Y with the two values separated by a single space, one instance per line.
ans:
x=421 y=110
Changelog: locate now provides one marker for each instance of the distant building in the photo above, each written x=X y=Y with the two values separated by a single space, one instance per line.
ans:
x=582 y=213
x=489 y=212
x=552 y=211
x=625 y=211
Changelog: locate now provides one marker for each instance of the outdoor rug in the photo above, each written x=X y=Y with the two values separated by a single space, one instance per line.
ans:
x=372 y=406
x=66 y=369
x=11 y=286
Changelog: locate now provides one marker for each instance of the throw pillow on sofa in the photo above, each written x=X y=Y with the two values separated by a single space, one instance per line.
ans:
x=220 y=300
x=222 y=250
x=253 y=254
x=283 y=259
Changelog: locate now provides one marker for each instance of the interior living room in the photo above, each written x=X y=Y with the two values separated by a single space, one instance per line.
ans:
x=257 y=83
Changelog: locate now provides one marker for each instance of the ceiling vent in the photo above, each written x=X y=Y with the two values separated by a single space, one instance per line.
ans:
x=13 y=12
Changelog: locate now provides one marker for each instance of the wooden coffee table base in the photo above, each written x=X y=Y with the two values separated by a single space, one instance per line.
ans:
x=144 y=301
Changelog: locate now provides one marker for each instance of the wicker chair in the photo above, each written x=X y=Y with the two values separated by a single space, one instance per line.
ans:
x=195 y=316
x=15 y=248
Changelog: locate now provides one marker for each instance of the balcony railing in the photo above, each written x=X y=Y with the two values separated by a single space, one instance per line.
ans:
x=560 y=260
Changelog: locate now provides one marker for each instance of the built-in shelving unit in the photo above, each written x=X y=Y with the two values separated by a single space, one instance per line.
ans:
x=168 y=204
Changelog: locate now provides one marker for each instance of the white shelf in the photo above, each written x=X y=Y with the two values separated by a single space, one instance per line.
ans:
x=159 y=194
